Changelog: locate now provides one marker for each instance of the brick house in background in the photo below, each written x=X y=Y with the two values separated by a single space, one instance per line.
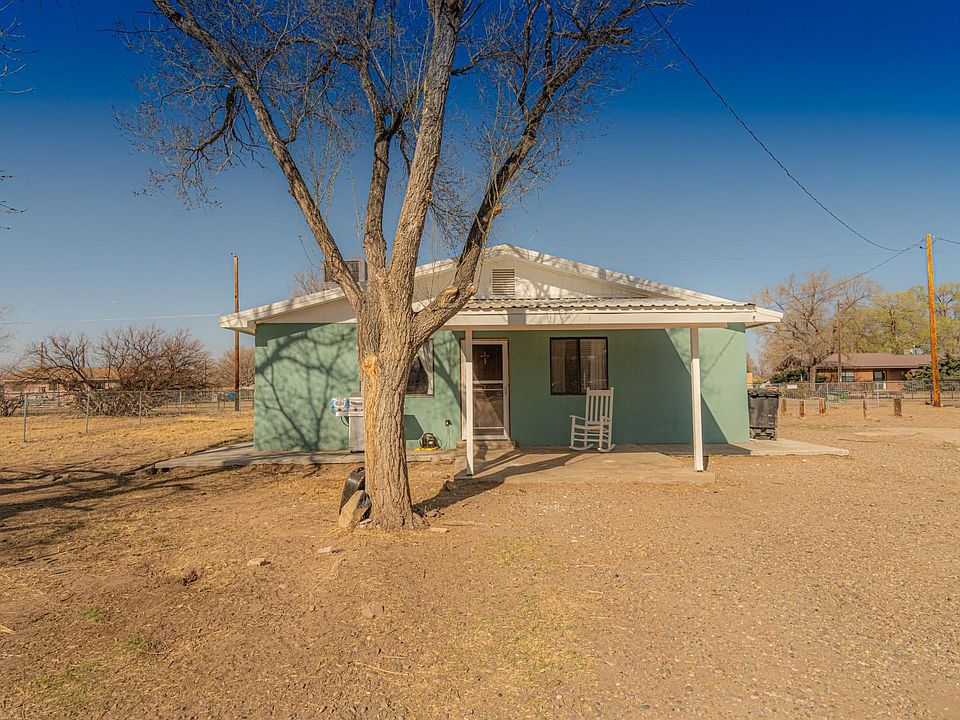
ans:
x=49 y=380
x=871 y=367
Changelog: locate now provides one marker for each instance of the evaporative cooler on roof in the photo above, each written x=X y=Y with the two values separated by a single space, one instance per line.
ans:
x=504 y=281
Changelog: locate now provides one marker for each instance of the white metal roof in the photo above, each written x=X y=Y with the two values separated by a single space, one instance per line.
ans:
x=601 y=304
x=643 y=302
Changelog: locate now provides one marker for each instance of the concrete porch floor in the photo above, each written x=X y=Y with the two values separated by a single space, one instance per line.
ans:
x=659 y=462
x=244 y=454
x=549 y=465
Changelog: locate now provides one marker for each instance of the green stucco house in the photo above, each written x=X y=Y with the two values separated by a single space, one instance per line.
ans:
x=540 y=331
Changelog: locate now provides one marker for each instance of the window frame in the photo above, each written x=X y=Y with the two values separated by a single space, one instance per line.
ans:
x=427 y=356
x=580 y=389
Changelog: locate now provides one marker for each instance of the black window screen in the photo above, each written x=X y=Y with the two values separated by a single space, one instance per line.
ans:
x=420 y=379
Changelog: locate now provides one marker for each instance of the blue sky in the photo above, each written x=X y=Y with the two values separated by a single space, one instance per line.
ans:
x=859 y=99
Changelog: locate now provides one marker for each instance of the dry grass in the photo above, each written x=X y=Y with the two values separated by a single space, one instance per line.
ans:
x=113 y=443
x=793 y=587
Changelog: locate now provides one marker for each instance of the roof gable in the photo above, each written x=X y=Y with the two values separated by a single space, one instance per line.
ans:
x=536 y=275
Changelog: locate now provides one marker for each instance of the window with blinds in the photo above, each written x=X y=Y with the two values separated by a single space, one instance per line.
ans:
x=578 y=365
x=504 y=282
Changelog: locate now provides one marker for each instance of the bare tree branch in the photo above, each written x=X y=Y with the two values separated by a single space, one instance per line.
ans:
x=457 y=107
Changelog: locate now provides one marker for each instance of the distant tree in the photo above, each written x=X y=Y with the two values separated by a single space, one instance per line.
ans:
x=5 y=335
x=306 y=282
x=949 y=369
x=891 y=322
x=150 y=358
x=462 y=107
x=790 y=375
x=899 y=321
x=62 y=358
x=807 y=333
x=222 y=376
x=129 y=358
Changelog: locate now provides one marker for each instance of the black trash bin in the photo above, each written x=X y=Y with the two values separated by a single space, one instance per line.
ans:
x=762 y=406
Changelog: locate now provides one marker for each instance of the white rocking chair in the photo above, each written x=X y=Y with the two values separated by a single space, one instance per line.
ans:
x=595 y=428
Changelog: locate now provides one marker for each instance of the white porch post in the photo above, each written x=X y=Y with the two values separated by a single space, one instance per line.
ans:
x=468 y=393
x=695 y=399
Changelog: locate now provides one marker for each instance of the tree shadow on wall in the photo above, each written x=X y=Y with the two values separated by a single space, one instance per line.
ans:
x=297 y=375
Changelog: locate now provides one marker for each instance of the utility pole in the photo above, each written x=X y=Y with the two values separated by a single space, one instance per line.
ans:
x=934 y=359
x=839 y=345
x=236 y=335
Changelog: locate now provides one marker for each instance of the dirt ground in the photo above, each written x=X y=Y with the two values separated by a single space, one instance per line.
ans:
x=820 y=587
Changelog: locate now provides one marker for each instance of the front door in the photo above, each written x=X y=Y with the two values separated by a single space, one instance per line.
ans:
x=491 y=390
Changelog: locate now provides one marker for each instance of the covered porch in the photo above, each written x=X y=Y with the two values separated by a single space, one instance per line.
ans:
x=662 y=372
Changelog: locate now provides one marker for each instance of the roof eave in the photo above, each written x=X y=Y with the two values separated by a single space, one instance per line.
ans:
x=651 y=318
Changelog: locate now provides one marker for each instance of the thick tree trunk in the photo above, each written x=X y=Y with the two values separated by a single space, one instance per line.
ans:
x=384 y=374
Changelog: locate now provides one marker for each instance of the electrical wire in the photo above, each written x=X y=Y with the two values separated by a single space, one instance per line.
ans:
x=760 y=142
x=937 y=237
x=122 y=319
x=870 y=270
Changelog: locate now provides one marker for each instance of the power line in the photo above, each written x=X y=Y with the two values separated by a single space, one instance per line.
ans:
x=760 y=142
x=937 y=237
x=875 y=267
x=121 y=319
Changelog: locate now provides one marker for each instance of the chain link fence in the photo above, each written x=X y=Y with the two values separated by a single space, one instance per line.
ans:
x=39 y=410
x=877 y=392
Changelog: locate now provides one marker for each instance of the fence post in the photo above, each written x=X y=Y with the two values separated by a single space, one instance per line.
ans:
x=801 y=408
x=86 y=418
x=26 y=401
x=783 y=406
x=898 y=406
x=179 y=402
x=864 y=407
x=140 y=409
x=823 y=406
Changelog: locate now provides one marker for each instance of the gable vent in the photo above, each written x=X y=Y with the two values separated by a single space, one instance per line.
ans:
x=504 y=281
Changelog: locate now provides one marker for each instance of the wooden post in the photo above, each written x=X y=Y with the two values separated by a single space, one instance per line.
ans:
x=468 y=399
x=236 y=335
x=695 y=399
x=898 y=406
x=140 y=409
x=86 y=414
x=26 y=401
x=823 y=407
x=801 y=408
x=839 y=345
x=783 y=406
x=864 y=407
x=934 y=358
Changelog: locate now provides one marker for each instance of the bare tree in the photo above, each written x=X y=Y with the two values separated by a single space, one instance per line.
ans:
x=306 y=282
x=11 y=53
x=11 y=63
x=222 y=375
x=5 y=335
x=807 y=333
x=62 y=358
x=129 y=358
x=150 y=358
x=468 y=103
